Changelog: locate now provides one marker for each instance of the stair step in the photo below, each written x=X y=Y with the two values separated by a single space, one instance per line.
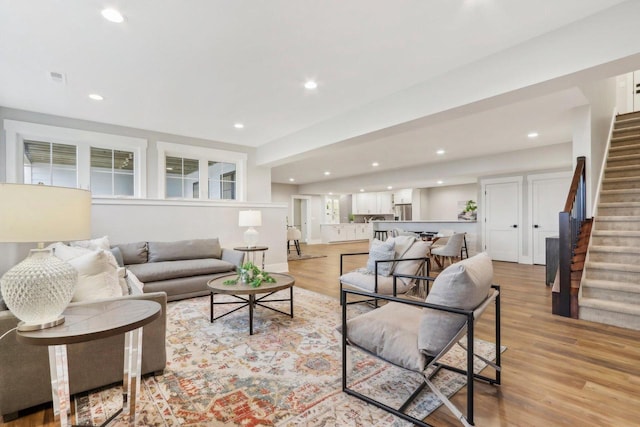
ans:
x=627 y=122
x=629 y=195
x=626 y=116
x=627 y=131
x=611 y=291
x=615 y=254
x=615 y=313
x=622 y=171
x=615 y=238
x=612 y=271
x=619 y=208
x=623 y=148
x=621 y=223
x=630 y=182
x=623 y=160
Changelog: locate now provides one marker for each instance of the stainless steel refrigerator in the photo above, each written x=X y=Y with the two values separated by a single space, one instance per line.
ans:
x=402 y=212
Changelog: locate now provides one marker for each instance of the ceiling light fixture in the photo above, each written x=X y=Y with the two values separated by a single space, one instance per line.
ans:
x=440 y=182
x=310 y=85
x=96 y=97
x=440 y=152
x=112 y=15
x=532 y=134
x=375 y=164
x=362 y=190
x=238 y=125
x=291 y=179
x=330 y=193
x=327 y=173
x=389 y=188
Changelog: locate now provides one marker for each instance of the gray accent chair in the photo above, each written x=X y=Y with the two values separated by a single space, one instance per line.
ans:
x=411 y=258
x=414 y=335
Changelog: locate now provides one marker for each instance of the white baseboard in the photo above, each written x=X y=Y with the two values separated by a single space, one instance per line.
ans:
x=314 y=242
x=525 y=260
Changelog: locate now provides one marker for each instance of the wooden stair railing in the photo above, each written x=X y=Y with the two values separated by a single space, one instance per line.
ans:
x=573 y=242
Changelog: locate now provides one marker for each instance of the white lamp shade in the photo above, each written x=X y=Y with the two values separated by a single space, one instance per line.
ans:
x=39 y=288
x=250 y=219
x=42 y=213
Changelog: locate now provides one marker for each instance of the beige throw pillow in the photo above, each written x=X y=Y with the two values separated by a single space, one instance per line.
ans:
x=94 y=244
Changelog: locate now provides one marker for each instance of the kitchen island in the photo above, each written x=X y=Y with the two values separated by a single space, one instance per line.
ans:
x=469 y=227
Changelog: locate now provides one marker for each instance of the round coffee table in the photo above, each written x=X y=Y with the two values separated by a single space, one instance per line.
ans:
x=283 y=281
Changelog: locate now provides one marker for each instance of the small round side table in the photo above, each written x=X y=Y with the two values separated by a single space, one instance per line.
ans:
x=252 y=250
x=88 y=322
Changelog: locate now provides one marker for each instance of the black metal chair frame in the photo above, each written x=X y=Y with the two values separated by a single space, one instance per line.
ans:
x=469 y=325
x=423 y=271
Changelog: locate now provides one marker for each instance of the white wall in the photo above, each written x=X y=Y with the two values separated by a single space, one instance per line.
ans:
x=126 y=221
x=442 y=202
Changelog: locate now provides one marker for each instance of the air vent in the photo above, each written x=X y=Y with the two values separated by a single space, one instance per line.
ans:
x=57 y=77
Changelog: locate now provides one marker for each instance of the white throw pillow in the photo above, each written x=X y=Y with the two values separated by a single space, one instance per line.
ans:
x=97 y=277
x=94 y=244
x=380 y=251
x=66 y=253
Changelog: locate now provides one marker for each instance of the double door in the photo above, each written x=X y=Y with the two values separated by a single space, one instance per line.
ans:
x=516 y=231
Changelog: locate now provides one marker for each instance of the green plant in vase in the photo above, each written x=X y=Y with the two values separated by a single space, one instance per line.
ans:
x=250 y=274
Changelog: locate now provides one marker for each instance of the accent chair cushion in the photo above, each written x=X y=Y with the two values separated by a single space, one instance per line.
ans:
x=363 y=280
x=381 y=251
x=390 y=332
x=184 y=249
x=418 y=249
x=463 y=285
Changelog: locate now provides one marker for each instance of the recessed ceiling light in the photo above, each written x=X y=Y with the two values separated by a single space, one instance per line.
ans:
x=238 y=125
x=361 y=190
x=440 y=182
x=96 y=97
x=291 y=179
x=532 y=134
x=375 y=164
x=389 y=188
x=327 y=173
x=330 y=193
x=310 y=85
x=112 y=15
x=440 y=152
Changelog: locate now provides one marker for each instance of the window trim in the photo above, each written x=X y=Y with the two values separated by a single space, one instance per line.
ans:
x=203 y=155
x=17 y=131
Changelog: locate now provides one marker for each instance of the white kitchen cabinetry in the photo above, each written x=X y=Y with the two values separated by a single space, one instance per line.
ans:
x=345 y=232
x=402 y=197
x=384 y=203
x=371 y=203
x=364 y=231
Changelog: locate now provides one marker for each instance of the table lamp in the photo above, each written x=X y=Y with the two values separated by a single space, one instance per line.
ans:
x=38 y=289
x=250 y=219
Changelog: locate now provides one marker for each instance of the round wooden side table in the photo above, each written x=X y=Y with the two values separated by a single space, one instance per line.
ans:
x=88 y=322
x=252 y=250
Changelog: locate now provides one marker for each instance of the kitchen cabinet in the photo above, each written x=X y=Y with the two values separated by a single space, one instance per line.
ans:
x=371 y=203
x=384 y=204
x=345 y=232
x=402 y=197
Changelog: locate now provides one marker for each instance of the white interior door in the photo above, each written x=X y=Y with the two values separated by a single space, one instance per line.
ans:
x=548 y=197
x=502 y=220
x=304 y=222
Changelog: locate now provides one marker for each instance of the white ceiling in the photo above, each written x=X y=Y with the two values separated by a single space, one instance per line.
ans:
x=196 y=67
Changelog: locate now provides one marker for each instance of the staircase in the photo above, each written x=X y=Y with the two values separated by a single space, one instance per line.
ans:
x=610 y=291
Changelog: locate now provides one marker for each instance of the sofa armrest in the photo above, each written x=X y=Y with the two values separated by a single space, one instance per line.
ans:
x=232 y=256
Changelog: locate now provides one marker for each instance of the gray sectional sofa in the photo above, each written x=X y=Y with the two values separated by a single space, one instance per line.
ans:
x=181 y=269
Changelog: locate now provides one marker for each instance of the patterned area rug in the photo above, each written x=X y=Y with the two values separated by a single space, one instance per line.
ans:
x=287 y=374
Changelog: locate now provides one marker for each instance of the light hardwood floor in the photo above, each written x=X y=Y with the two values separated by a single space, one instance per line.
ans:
x=556 y=371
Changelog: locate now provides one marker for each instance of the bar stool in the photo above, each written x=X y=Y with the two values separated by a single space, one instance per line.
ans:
x=464 y=248
x=380 y=234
